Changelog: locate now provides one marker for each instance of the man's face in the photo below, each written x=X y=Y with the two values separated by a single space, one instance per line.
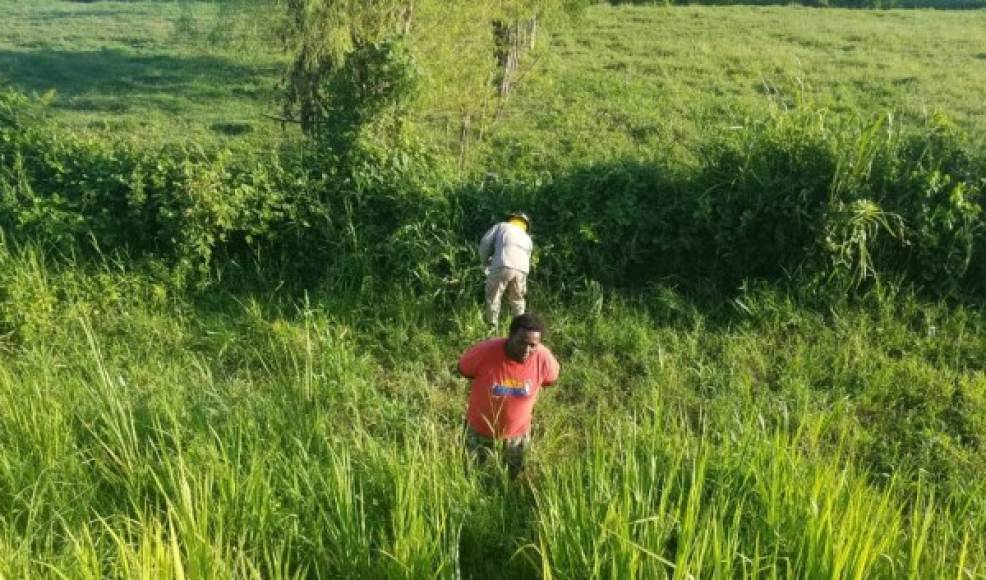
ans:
x=522 y=344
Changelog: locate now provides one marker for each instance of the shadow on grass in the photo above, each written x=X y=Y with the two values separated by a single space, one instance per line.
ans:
x=94 y=80
x=232 y=128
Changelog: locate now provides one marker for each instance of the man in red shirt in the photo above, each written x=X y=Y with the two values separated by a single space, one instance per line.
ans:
x=507 y=375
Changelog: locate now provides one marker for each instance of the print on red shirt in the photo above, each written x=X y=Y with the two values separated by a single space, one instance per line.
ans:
x=512 y=388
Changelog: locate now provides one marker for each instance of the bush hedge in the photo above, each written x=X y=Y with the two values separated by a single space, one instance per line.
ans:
x=800 y=191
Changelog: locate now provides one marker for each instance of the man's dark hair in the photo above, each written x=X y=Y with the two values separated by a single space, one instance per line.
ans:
x=528 y=322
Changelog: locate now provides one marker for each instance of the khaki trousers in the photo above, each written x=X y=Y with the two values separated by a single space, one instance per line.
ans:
x=509 y=281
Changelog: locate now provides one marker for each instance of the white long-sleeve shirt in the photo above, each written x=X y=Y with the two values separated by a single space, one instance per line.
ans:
x=506 y=246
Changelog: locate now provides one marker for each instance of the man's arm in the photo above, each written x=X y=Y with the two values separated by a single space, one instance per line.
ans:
x=486 y=245
x=469 y=361
x=550 y=369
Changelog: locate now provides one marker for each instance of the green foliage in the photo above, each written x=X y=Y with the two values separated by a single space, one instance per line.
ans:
x=798 y=191
x=73 y=192
x=368 y=93
x=940 y=191
x=265 y=436
x=851 y=234
x=353 y=61
x=627 y=82
x=302 y=418
x=321 y=34
x=767 y=184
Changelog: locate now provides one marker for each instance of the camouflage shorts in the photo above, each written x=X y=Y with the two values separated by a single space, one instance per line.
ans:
x=513 y=449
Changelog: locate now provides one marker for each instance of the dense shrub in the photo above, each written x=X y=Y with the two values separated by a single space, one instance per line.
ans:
x=937 y=190
x=799 y=191
x=624 y=223
x=70 y=191
x=768 y=186
x=356 y=214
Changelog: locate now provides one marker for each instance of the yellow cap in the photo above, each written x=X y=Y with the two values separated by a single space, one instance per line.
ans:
x=519 y=223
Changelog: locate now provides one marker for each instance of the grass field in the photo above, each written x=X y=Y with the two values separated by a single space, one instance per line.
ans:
x=259 y=426
x=162 y=71
x=638 y=79
x=247 y=434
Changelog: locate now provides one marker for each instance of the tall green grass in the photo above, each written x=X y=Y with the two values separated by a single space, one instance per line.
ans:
x=241 y=365
x=240 y=435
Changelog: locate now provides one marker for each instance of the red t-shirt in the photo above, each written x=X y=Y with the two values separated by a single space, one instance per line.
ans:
x=503 y=390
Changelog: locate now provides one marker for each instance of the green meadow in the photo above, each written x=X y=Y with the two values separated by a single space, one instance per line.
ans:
x=638 y=77
x=226 y=353
x=645 y=78
x=160 y=71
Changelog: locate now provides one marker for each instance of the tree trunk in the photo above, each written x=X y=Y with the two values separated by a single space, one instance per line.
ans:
x=406 y=18
x=511 y=41
x=531 y=24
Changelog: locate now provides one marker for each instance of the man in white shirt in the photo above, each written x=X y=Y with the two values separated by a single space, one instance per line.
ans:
x=505 y=253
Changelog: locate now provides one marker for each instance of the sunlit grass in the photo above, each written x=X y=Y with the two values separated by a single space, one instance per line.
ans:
x=282 y=438
x=637 y=79
x=267 y=430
